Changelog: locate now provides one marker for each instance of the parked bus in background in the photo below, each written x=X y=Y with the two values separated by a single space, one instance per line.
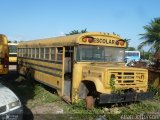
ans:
x=12 y=53
x=87 y=66
x=132 y=56
x=4 y=57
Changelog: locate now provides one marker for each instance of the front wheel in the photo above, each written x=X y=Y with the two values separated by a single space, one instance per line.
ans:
x=90 y=102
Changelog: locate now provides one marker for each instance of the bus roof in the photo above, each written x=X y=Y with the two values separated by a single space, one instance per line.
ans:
x=96 y=38
x=12 y=43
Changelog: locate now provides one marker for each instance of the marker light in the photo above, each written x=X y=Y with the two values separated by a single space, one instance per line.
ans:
x=84 y=39
x=89 y=39
x=121 y=42
x=117 y=42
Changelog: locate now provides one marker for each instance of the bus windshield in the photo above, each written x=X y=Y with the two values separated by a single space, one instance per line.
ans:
x=99 y=54
x=12 y=49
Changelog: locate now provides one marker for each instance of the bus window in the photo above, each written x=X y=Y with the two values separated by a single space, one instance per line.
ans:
x=47 y=53
x=29 y=52
x=37 y=53
x=59 y=53
x=42 y=53
x=33 y=52
x=53 y=54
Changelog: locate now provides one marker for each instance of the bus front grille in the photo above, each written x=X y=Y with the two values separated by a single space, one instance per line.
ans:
x=128 y=77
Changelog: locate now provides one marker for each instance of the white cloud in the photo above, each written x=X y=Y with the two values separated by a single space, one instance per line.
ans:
x=62 y=34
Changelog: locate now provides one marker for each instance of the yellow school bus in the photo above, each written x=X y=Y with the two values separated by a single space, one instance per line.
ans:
x=4 y=59
x=86 y=66
x=12 y=53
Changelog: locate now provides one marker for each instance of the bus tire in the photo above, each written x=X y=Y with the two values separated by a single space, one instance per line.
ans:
x=89 y=102
x=29 y=77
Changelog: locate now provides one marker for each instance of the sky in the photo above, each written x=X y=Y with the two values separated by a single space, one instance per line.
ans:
x=35 y=19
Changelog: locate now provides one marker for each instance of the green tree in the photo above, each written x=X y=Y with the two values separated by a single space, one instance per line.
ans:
x=152 y=35
x=11 y=41
x=127 y=40
x=77 y=32
x=146 y=54
x=15 y=41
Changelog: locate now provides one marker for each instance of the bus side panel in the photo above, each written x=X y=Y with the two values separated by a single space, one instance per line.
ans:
x=49 y=73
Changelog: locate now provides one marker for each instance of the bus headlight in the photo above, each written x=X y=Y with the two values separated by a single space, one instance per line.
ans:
x=14 y=104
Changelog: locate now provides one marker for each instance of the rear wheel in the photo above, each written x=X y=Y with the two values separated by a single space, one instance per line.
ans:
x=29 y=77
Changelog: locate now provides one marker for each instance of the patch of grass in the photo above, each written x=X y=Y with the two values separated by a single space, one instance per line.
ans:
x=41 y=96
x=79 y=111
x=31 y=94
x=142 y=107
x=114 y=113
x=44 y=96
x=154 y=89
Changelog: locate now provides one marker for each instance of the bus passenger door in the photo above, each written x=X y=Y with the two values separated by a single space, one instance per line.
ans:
x=68 y=68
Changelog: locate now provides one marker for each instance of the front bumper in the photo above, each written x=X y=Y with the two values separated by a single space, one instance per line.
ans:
x=126 y=97
x=16 y=114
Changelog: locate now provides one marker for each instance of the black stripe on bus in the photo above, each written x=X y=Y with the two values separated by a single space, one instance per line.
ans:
x=57 y=62
x=53 y=74
x=52 y=68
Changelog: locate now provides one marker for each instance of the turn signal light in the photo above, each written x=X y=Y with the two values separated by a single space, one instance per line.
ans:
x=89 y=39
x=84 y=39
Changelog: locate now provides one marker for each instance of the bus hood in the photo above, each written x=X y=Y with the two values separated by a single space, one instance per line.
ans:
x=123 y=77
x=111 y=66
